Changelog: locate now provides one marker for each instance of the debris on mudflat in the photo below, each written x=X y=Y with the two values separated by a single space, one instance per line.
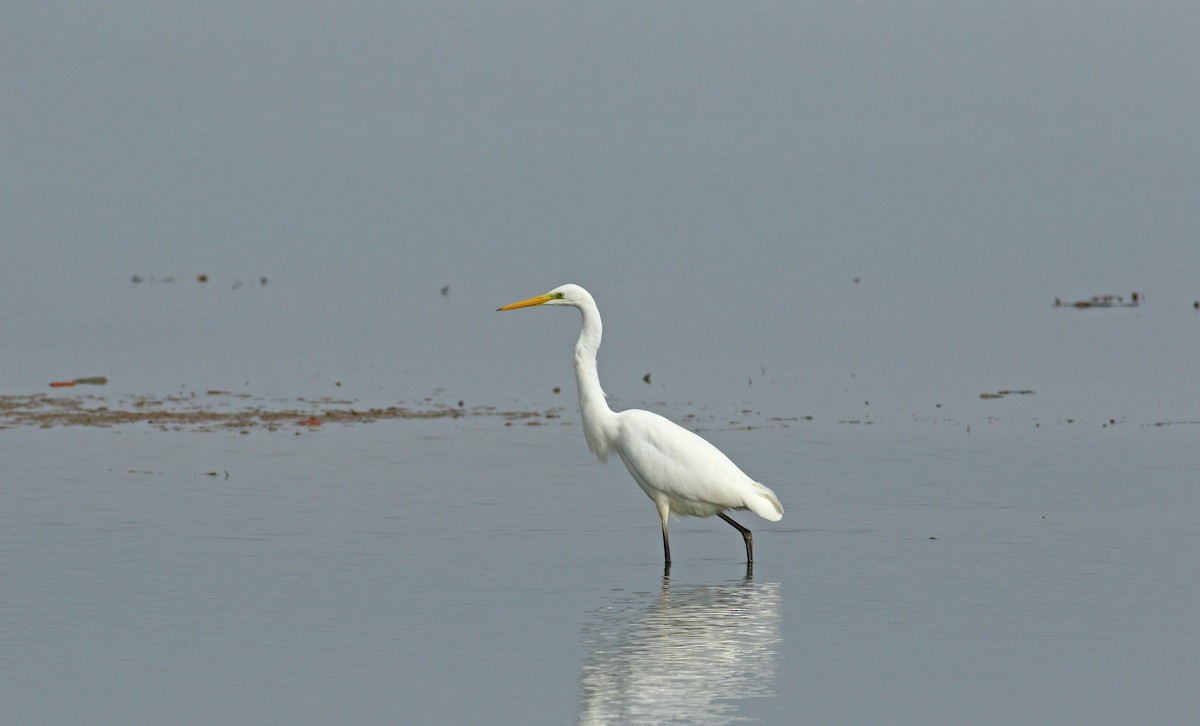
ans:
x=217 y=410
x=1101 y=301
x=1002 y=394
x=202 y=277
x=240 y=412
x=90 y=381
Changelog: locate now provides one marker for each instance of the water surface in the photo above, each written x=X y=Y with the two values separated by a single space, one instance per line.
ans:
x=370 y=573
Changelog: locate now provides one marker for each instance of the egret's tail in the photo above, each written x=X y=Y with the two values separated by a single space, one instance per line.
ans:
x=764 y=503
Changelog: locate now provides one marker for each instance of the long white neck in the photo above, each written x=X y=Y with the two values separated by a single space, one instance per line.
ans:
x=599 y=421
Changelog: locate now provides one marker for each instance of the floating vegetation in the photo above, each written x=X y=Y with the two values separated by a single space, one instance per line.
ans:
x=215 y=410
x=223 y=410
x=202 y=277
x=1101 y=301
x=1002 y=394
x=228 y=411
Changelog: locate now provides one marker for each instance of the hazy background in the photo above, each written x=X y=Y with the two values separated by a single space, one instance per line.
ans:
x=855 y=211
x=716 y=173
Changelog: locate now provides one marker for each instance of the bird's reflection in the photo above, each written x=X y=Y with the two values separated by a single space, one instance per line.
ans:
x=688 y=654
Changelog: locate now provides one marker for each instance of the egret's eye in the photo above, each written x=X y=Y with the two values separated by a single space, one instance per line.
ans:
x=556 y=295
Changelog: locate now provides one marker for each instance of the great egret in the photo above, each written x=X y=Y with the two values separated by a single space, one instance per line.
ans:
x=680 y=472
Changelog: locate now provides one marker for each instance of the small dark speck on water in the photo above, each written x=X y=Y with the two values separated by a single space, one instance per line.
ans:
x=445 y=290
x=646 y=378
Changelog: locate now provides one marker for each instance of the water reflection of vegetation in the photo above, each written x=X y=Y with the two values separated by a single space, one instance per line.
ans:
x=688 y=654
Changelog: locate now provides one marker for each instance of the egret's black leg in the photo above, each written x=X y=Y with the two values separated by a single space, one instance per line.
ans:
x=664 y=513
x=666 y=546
x=746 y=535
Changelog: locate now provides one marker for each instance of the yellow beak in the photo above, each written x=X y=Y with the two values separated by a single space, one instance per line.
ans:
x=539 y=300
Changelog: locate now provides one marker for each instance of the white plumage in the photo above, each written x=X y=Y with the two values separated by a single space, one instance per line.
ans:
x=681 y=472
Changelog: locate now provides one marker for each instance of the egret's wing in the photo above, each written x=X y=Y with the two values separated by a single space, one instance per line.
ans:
x=669 y=460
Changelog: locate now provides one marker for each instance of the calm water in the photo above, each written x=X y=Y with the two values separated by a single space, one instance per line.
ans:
x=470 y=573
x=821 y=233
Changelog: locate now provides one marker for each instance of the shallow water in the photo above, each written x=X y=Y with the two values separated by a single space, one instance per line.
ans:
x=444 y=570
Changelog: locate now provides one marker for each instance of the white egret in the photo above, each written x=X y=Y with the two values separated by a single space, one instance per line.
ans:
x=681 y=473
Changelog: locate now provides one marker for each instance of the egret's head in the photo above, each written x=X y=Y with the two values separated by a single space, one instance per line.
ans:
x=573 y=295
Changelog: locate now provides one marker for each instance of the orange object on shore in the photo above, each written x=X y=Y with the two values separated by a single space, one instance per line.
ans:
x=310 y=421
x=92 y=381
